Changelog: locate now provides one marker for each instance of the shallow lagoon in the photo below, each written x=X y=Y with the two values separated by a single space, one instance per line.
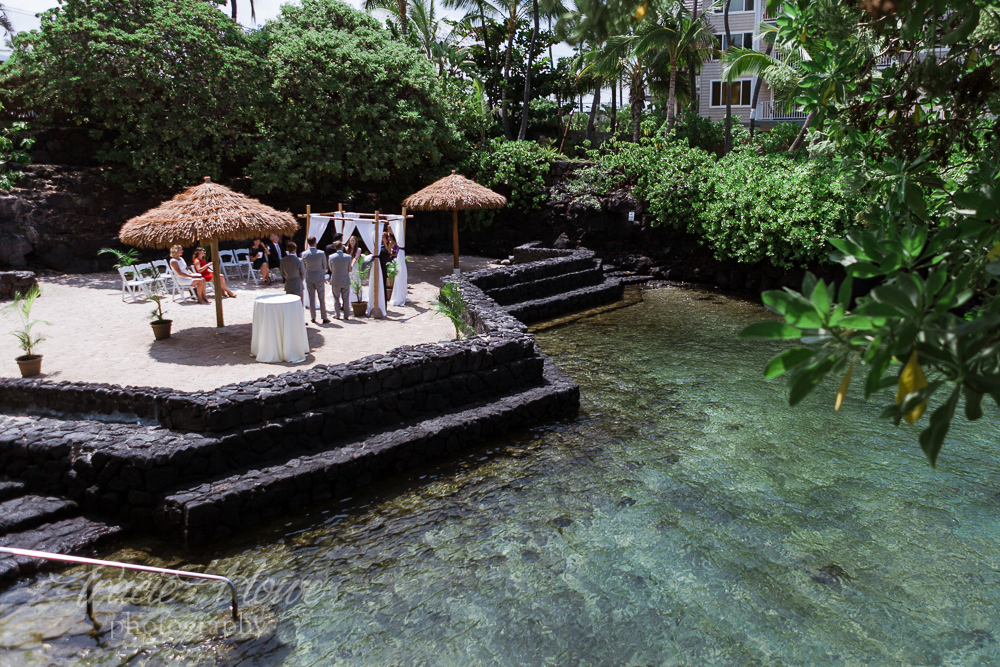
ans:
x=687 y=516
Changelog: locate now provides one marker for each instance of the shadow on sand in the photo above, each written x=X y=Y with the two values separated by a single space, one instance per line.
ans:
x=207 y=347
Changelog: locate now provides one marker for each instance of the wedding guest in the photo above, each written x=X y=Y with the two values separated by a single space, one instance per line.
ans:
x=185 y=278
x=260 y=258
x=340 y=281
x=314 y=262
x=293 y=272
x=200 y=264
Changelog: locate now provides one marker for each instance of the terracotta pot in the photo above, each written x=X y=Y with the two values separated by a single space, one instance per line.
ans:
x=360 y=308
x=389 y=283
x=161 y=329
x=30 y=366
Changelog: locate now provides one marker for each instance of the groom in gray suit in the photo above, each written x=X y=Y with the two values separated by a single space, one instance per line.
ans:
x=340 y=280
x=314 y=261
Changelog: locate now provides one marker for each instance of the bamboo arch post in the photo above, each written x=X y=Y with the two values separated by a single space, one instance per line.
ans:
x=376 y=311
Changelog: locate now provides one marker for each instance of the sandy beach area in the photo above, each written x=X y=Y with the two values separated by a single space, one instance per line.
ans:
x=96 y=337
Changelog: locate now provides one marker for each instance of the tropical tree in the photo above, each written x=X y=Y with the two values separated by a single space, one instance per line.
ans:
x=922 y=131
x=168 y=88
x=253 y=13
x=677 y=40
x=397 y=8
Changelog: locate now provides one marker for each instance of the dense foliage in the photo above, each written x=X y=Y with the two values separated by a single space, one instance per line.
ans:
x=174 y=90
x=167 y=87
x=517 y=169
x=346 y=104
x=786 y=218
x=920 y=128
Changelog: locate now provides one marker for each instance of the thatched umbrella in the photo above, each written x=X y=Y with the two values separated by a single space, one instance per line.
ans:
x=206 y=213
x=455 y=193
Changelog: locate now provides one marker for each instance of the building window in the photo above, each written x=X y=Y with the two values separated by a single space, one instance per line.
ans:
x=741 y=40
x=737 y=6
x=738 y=91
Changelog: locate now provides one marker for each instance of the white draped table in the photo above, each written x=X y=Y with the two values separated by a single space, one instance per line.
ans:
x=279 y=329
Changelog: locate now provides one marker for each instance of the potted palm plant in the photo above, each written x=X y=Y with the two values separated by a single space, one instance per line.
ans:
x=360 y=307
x=29 y=362
x=392 y=270
x=161 y=326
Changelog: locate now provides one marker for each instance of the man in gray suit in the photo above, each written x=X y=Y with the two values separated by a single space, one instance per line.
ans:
x=340 y=280
x=292 y=271
x=314 y=261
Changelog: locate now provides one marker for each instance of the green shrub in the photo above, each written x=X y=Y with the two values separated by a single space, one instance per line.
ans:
x=347 y=104
x=517 y=169
x=778 y=139
x=168 y=87
x=754 y=208
x=664 y=173
x=699 y=132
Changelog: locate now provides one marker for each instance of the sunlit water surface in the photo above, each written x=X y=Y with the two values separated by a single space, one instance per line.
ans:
x=687 y=516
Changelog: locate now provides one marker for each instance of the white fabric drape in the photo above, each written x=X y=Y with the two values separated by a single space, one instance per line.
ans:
x=371 y=237
x=317 y=227
x=398 y=296
x=350 y=224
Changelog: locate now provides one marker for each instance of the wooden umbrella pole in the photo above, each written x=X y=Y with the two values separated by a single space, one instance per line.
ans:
x=454 y=238
x=217 y=283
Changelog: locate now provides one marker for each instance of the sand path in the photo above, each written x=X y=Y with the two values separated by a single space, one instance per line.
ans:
x=96 y=337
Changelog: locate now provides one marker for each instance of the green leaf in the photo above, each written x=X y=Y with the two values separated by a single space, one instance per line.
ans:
x=891 y=295
x=805 y=380
x=820 y=298
x=770 y=331
x=787 y=360
x=856 y=322
x=932 y=438
x=973 y=403
x=846 y=291
x=965 y=28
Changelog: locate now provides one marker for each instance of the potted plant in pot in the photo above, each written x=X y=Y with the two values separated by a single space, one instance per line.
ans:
x=360 y=307
x=392 y=270
x=161 y=326
x=29 y=362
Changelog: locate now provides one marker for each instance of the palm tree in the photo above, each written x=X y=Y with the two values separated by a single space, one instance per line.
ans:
x=616 y=60
x=728 y=146
x=7 y=26
x=397 y=9
x=679 y=40
x=527 y=75
x=253 y=13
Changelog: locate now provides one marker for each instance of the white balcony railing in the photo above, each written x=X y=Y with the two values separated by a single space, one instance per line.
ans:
x=767 y=111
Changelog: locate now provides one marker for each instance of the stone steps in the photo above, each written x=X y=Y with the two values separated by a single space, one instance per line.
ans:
x=219 y=508
x=538 y=310
x=546 y=287
x=10 y=489
x=79 y=536
x=25 y=512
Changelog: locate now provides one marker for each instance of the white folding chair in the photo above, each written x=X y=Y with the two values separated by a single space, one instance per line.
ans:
x=230 y=267
x=133 y=283
x=252 y=273
x=164 y=276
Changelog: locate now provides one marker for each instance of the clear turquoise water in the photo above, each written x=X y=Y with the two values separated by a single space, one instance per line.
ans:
x=686 y=517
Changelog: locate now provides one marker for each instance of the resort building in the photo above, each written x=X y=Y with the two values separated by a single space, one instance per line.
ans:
x=745 y=17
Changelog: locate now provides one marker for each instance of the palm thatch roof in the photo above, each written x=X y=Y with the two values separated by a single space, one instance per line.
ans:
x=202 y=213
x=454 y=193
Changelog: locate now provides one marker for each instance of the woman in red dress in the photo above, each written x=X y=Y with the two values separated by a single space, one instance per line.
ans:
x=204 y=267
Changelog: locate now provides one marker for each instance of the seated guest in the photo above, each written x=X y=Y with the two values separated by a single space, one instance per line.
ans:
x=204 y=267
x=260 y=257
x=292 y=271
x=185 y=278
